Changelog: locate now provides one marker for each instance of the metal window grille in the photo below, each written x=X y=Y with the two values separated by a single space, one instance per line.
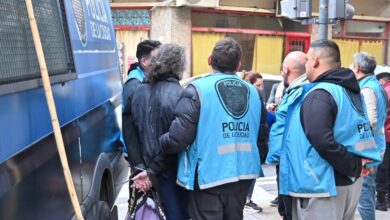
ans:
x=297 y=45
x=18 y=60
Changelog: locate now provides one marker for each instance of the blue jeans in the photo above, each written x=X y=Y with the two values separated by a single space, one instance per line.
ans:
x=366 y=204
x=173 y=197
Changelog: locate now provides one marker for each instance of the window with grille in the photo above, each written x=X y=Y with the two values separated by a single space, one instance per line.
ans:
x=297 y=44
x=18 y=60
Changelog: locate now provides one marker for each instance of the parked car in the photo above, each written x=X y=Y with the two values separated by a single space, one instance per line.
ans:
x=268 y=81
x=382 y=68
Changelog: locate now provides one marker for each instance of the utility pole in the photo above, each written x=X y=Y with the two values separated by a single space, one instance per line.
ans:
x=323 y=20
x=331 y=11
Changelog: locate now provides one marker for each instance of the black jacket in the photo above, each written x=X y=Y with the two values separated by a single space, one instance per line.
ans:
x=129 y=135
x=318 y=115
x=152 y=110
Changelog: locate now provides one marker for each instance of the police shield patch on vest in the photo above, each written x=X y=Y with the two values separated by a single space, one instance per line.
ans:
x=234 y=97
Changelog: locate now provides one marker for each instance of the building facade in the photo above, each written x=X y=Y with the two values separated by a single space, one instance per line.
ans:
x=265 y=36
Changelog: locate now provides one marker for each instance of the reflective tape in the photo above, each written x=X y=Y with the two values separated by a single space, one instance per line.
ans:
x=365 y=145
x=309 y=195
x=228 y=180
x=233 y=148
x=307 y=165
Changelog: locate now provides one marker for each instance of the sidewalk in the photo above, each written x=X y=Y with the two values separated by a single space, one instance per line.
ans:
x=264 y=192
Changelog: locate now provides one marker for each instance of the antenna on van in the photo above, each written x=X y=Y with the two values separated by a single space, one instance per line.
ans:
x=52 y=110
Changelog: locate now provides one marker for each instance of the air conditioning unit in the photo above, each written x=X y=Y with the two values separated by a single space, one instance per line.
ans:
x=198 y=3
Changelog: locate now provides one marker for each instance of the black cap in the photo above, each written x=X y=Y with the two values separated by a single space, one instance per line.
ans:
x=383 y=75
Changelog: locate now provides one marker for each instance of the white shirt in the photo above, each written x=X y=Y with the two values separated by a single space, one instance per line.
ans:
x=371 y=103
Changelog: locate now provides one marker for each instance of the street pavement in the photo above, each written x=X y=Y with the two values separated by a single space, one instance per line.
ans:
x=265 y=191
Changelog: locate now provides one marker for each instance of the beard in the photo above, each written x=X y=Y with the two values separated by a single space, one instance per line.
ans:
x=285 y=83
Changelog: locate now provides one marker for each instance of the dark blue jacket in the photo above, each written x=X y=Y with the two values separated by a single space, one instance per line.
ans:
x=152 y=108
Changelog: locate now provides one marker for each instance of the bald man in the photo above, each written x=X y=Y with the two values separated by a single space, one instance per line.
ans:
x=293 y=67
x=328 y=142
x=294 y=77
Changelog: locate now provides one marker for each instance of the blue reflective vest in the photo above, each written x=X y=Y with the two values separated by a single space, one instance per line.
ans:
x=303 y=172
x=381 y=106
x=225 y=147
x=277 y=129
x=136 y=73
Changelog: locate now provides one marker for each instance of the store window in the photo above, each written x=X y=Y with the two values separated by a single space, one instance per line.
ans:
x=365 y=29
x=258 y=35
x=131 y=27
x=247 y=42
x=245 y=21
x=358 y=36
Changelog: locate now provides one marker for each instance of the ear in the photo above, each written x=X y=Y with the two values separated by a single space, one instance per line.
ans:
x=357 y=69
x=143 y=61
x=288 y=71
x=316 y=62
x=209 y=60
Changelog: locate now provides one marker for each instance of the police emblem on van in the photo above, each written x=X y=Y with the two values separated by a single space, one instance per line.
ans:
x=234 y=96
x=78 y=10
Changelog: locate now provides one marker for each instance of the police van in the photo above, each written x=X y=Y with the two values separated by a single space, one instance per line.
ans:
x=81 y=55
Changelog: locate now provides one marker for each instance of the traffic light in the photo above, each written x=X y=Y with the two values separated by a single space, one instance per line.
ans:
x=340 y=10
x=296 y=9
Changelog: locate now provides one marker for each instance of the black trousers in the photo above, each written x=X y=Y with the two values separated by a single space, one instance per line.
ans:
x=224 y=202
x=285 y=207
x=285 y=202
x=383 y=173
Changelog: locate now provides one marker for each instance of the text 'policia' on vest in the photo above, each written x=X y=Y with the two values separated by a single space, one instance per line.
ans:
x=317 y=178
x=228 y=129
x=379 y=134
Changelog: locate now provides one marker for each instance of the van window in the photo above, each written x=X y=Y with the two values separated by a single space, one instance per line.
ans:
x=18 y=60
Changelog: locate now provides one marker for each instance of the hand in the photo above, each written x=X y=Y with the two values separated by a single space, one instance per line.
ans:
x=365 y=161
x=271 y=107
x=142 y=182
x=366 y=171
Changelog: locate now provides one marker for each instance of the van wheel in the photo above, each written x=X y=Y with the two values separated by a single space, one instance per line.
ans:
x=103 y=211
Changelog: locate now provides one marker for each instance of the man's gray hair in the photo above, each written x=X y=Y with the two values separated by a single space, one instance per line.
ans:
x=365 y=61
x=170 y=59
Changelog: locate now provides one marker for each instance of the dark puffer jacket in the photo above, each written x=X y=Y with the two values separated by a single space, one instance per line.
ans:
x=129 y=135
x=152 y=109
